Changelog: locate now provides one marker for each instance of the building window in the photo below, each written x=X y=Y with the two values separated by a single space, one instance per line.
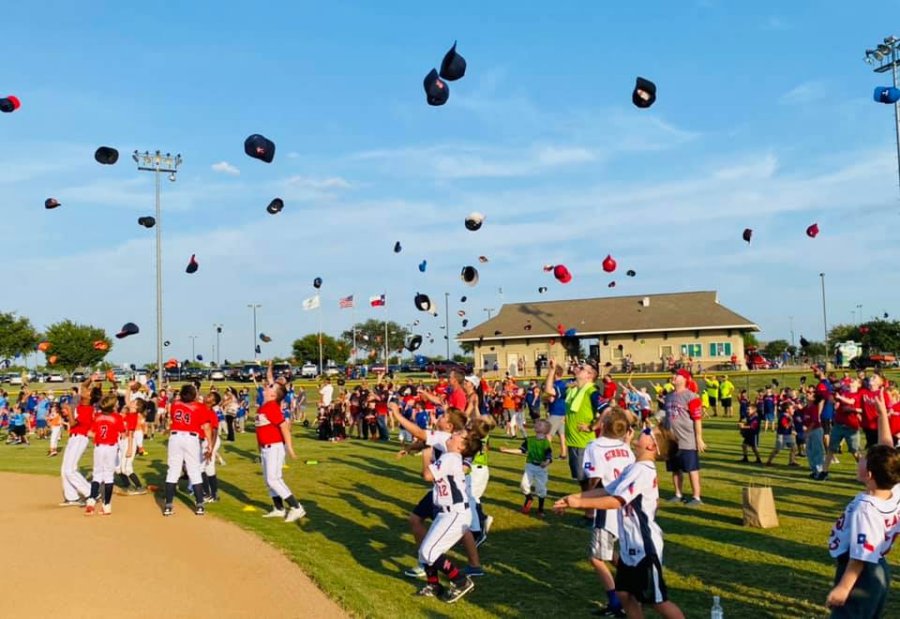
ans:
x=665 y=352
x=692 y=350
x=720 y=349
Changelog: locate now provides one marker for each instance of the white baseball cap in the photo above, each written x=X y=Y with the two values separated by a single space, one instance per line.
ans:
x=474 y=380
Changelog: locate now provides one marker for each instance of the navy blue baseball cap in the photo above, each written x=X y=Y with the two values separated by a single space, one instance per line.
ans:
x=436 y=90
x=453 y=66
x=644 y=94
x=260 y=147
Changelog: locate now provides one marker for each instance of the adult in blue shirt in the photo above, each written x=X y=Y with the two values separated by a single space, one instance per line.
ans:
x=555 y=390
x=41 y=410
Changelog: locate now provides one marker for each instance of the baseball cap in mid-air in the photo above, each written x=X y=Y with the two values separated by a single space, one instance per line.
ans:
x=542 y=289
x=483 y=259
x=453 y=66
x=465 y=322
x=10 y=104
x=260 y=147
x=147 y=222
x=463 y=299
x=264 y=338
x=436 y=90
x=258 y=349
x=422 y=266
x=423 y=303
x=44 y=346
x=199 y=357
x=883 y=94
x=469 y=275
x=644 y=94
x=630 y=273
x=812 y=231
x=561 y=273
x=167 y=343
x=611 y=284
x=100 y=345
x=275 y=206
x=106 y=155
x=129 y=328
x=413 y=343
x=317 y=282
x=747 y=235
x=193 y=265
x=609 y=264
x=397 y=247
x=474 y=221
x=51 y=203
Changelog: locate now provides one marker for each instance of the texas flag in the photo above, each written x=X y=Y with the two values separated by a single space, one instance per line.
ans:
x=377 y=301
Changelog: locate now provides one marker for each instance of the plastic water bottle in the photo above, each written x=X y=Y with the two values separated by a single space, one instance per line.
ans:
x=716 y=612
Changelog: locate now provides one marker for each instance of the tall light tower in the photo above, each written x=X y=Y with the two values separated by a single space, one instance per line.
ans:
x=193 y=347
x=254 y=307
x=165 y=164
x=885 y=55
x=218 y=329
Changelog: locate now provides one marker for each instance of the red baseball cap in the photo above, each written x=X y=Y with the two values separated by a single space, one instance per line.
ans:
x=561 y=273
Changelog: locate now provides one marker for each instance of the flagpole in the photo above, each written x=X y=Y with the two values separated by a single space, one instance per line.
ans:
x=353 y=324
x=321 y=369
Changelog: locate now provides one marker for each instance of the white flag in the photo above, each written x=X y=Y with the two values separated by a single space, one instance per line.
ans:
x=311 y=303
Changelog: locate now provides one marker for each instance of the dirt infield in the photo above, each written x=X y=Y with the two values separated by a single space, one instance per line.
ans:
x=136 y=563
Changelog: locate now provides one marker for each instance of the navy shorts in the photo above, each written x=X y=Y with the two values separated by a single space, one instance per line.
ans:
x=425 y=508
x=41 y=424
x=644 y=581
x=683 y=461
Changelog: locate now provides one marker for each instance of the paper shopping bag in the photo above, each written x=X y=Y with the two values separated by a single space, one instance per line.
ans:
x=759 y=507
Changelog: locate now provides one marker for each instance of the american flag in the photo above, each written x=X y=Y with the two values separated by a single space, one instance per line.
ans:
x=346 y=302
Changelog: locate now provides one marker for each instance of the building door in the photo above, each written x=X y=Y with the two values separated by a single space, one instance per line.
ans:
x=512 y=364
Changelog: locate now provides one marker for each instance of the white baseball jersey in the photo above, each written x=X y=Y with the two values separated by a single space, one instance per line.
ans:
x=449 y=482
x=866 y=529
x=605 y=459
x=639 y=535
x=437 y=440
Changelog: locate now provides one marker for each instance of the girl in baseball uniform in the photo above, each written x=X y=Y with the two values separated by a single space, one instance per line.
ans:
x=106 y=428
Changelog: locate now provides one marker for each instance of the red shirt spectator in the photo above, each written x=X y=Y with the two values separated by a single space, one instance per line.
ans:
x=848 y=414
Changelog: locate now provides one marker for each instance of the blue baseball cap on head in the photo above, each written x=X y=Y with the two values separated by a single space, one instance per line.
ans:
x=886 y=94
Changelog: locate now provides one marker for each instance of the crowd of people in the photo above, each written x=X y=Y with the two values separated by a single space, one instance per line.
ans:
x=607 y=432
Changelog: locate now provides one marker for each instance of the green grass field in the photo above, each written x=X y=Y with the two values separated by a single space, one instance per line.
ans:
x=355 y=542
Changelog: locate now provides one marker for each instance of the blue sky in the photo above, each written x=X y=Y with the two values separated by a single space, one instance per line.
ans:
x=764 y=119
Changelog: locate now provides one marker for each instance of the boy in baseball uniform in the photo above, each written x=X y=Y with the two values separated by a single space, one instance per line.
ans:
x=189 y=421
x=863 y=535
x=106 y=428
x=210 y=480
x=273 y=435
x=634 y=495
x=604 y=460
x=128 y=448
x=538 y=456
x=73 y=482
x=452 y=516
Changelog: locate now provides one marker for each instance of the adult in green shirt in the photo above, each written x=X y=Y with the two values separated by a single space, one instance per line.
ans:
x=581 y=401
x=726 y=391
x=712 y=392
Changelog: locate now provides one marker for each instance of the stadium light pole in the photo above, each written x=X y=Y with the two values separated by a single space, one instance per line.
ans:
x=193 y=347
x=824 y=315
x=254 y=307
x=218 y=355
x=165 y=164
x=447 y=321
x=885 y=54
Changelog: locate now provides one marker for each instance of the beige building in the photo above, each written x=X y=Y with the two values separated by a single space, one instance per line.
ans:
x=650 y=333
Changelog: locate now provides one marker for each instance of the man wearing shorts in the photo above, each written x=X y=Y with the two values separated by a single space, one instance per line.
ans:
x=726 y=391
x=683 y=419
x=555 y=388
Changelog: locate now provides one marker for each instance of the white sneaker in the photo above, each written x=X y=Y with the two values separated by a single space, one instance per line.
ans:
x=107 y=509
x=275 y=513
x=295 y=513
x=487 y=524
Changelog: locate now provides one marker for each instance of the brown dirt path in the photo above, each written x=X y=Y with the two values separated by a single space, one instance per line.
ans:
x=135 y=563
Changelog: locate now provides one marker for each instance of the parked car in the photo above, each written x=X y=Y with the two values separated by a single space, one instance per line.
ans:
x=55 y=377
x=249 y=370
x=756 y=361
x=875 y=360
x=77 y=377
x=444 y=367
x=15 y=379
x=309 y=370
x=216 y=374
x=332 y=370
x=283 y=370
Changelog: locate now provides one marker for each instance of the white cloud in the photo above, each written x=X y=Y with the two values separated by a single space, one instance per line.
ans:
x=805 y=93
x=226 y=168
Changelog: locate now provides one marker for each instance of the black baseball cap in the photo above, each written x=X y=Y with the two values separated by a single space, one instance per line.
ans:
x=644 y=94
x=260 y=147
x=106 y=155
x=129 y=328
x=453 y=66
x=436 y=90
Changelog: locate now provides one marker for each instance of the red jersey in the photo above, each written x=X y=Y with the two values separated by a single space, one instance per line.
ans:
x=84 y=417
x=268 y=424
x=609 y=389
x=847 y=414
x=131 y=421
x=106 y=428
x=188 y=417
x=811 y=419
x=456 y=398
x=870 y=407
